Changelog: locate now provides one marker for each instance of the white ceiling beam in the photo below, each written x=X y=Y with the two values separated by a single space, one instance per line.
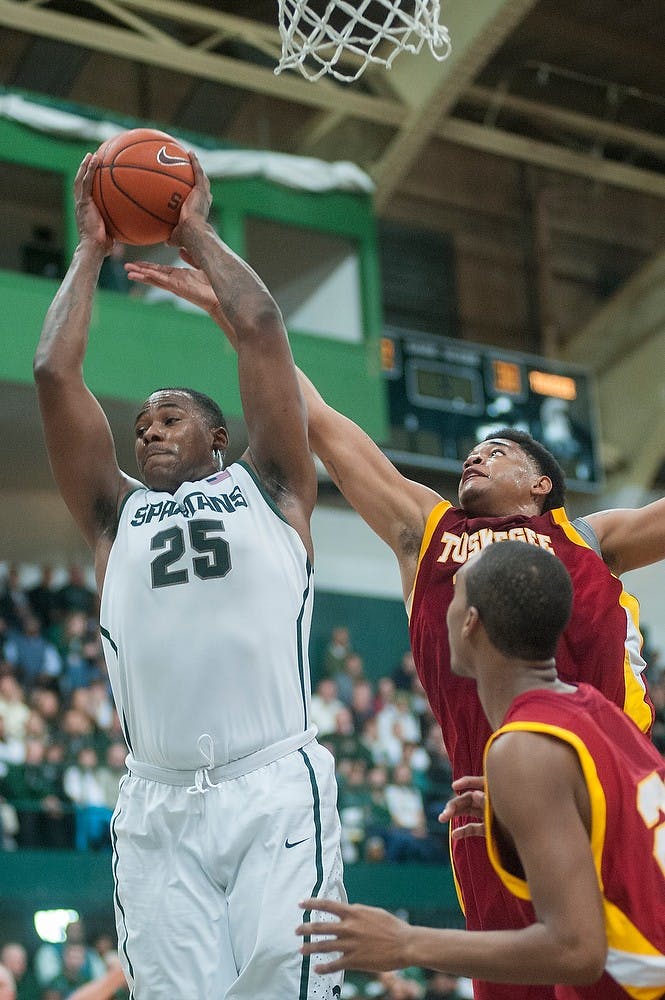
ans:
x=339 y=101
x=193 y=62
x=572 y=121
x=432 y=88
x=633 y=316
x=551 y=157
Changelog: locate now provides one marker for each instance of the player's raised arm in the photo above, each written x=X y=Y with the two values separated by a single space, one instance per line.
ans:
x=78 y=437
x=631 y=538
x=272 y=404
x=394 y=507
x=567 y=943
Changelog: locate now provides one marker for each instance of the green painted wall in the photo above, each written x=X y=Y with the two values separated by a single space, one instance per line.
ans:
x=82 y=880
x=378 y=627
x=134 y=346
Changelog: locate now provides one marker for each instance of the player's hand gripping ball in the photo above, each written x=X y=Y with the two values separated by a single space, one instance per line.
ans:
x=142 y=179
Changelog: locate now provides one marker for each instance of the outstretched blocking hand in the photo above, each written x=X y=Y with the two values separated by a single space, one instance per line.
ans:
x=89 y=221
x=369 y=939
x=186 y=282
x=469 y=800
x=189 y=283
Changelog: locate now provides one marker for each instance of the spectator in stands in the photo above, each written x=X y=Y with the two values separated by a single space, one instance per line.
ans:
x=409 y=838
x=336 y=651
x=36 y=728
x=112 y=984
x=385 y=693
x=405 y=984
x=14 y=957
x=100 y=703
x=76 y=595
x=437 y=788
x=353 y=806
x=404 y=672
x=9 y=825
x=12 y=749
x=40 y=802
x=78 y=731
x=46 y=701
x=112 y=275
x=84 y=788
x=418 y=759
x=42 y=599
x=378 y=820
x=370 y=739
x=48 y=962
x=344 y=743
x=13 y=708
x=324 y=706
x=7 y=984
x=80 y=648
x=73 y=972
x=14 y=603
x=41 y=255
x=657 y=692
x=362 y=703
x=33 y=657
x=441 y=986
x=397 y=725
x=352 y=670
x=4 y=636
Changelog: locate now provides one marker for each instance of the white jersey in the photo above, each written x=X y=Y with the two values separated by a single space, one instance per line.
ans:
x=205 y=618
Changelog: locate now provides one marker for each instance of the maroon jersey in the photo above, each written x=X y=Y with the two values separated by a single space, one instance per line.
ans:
x=601 y=645
x=625 y=779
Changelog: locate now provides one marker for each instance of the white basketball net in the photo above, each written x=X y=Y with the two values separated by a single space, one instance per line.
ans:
x=364 y=31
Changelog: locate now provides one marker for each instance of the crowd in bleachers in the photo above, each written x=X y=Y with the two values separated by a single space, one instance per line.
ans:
x=62 y=756
x=62 y=749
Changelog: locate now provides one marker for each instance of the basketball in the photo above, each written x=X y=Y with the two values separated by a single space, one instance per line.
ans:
x=142 y=180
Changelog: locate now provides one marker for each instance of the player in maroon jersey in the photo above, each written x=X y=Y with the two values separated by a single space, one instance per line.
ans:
x=511 y=487
x=574 y=815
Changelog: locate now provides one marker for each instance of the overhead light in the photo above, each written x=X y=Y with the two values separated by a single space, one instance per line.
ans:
x=52 y=924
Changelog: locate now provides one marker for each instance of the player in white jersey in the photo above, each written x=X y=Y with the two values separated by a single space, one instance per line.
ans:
x=227 y=817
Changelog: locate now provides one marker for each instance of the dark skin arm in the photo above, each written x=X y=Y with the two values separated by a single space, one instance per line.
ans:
x=396 y=508
x=630 y=538
x=104 y=988
x=547 y=825
x=273 y=407
x=78 y=437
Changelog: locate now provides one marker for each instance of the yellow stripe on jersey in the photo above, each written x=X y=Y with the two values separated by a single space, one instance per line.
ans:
x=634 y=704
x=560 y=517
x=435 y=516
x=516 y=885
x=630 y=953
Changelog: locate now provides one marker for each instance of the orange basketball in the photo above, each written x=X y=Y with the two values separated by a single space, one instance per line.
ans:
x=142 y=180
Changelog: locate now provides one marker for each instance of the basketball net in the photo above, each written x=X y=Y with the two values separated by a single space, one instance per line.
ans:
x=361 y=32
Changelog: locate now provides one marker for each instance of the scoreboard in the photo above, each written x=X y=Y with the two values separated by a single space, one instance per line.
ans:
x=445 y=395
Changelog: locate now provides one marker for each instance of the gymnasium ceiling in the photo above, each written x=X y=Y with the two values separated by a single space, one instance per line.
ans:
x=578 y=84
x=569 y=89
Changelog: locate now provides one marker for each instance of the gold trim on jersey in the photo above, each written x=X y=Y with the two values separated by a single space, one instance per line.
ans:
x=634 y=705
x=516 y=885
x=433 y=519
x=622 y=935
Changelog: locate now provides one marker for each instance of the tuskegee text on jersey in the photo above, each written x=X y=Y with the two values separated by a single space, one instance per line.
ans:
x=459 y=548
x=193 y=503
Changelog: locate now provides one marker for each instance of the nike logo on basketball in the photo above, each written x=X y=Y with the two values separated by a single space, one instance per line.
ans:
x=171 y=161
x=288 y=843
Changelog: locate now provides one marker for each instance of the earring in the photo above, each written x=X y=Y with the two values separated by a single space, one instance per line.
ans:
x=219 y=458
